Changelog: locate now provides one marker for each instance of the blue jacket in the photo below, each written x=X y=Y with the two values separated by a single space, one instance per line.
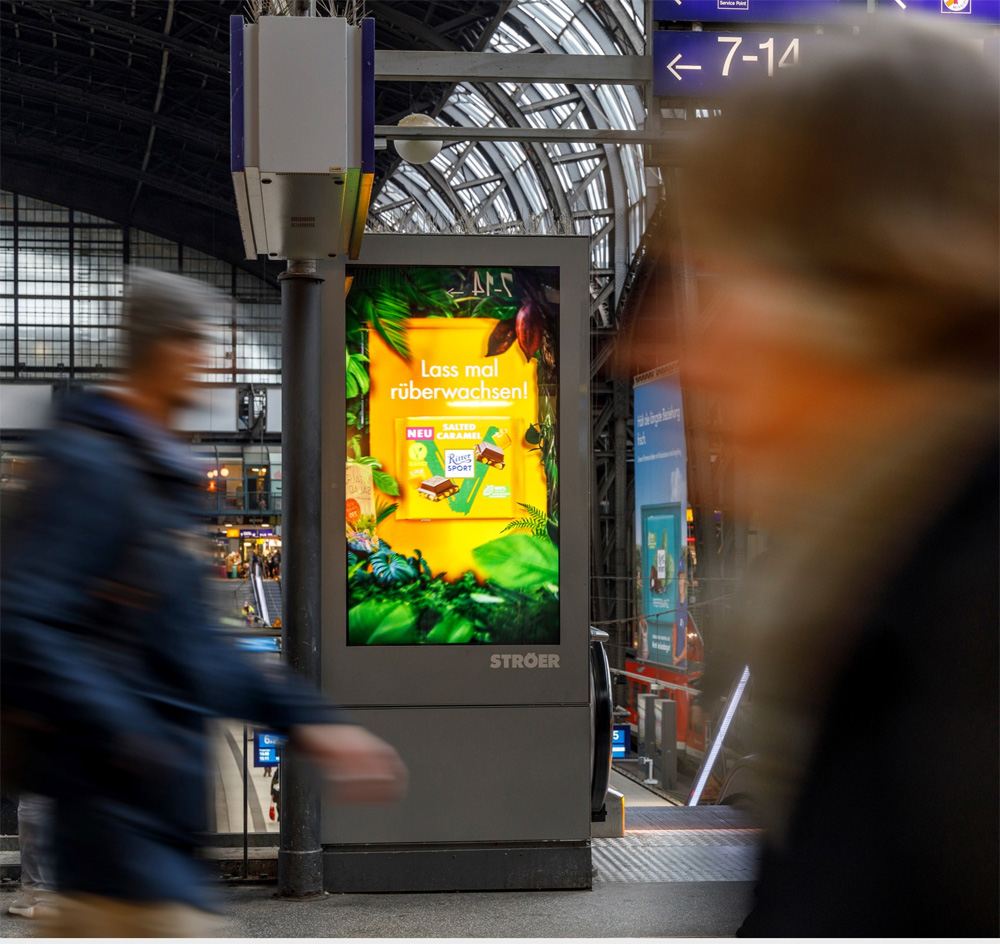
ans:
x=107 y=650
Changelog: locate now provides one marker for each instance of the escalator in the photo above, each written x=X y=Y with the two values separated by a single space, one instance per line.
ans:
x=601 y=709
x=267 y=597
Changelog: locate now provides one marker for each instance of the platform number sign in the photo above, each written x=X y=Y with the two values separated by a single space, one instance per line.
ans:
x=701 y=63
x=267 y=748
x=620 y=734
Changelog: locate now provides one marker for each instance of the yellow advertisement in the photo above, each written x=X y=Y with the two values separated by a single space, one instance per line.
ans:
x=459 y=469
x=463 y=464
x=452 y=381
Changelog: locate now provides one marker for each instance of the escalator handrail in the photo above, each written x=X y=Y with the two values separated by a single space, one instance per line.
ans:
x=257 y=583
x=603 y=718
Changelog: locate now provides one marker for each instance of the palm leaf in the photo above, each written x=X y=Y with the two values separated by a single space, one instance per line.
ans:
x=388 y=318
x=535 y=522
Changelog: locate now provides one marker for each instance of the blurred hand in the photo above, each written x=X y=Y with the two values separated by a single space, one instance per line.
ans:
x=357 y=765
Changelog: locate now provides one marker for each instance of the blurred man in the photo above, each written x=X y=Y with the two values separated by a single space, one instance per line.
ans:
x=109 y=667
x=852 y=208
x=34 y=842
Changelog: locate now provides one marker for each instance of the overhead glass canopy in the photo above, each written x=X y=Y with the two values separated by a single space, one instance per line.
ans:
x=518 y=187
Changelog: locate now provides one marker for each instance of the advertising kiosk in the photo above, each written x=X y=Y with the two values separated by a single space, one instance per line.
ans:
x=455 y=557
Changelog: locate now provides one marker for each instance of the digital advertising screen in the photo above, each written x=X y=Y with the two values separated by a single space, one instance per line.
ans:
x=452 y=478
x=661 y=517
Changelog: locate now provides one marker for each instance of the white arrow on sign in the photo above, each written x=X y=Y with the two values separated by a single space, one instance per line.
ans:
x=674 y=72
x=454 y=291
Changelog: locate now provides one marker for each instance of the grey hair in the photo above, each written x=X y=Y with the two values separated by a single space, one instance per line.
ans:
x=161 y=305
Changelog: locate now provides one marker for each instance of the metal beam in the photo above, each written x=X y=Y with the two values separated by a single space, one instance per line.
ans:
x=58 y=93
x=406 y=65
x=27 y=147
x=544 y=103
x=595 y=135
x=65 y=18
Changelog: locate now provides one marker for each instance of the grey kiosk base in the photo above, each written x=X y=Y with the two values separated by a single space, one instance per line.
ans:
x=498 y=748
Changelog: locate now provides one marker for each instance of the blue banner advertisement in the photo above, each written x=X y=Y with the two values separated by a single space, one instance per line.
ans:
x=661 y=517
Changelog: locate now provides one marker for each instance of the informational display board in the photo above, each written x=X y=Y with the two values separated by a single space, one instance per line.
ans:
x=661 y=517
x=712 y=64
x=971 y=11
x=266 y=748
x=620 y=735
x=817 y=11
x=755 y=11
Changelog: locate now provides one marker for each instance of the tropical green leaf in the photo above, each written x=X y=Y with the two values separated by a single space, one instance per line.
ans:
x=372 y=622
x=385 y=483
x=519 y=561
x=535 y=522
x=452 y=629
x=384 y=510
x=388 y=318
x=485 y=598
x=357 y=375
x=353 y=569
x=391 y=568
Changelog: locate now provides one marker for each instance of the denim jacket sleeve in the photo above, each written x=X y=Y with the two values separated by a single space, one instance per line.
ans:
x=63 y=545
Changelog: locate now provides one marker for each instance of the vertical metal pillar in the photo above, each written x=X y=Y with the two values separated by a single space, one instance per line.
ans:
x=300 y=856
x=623 y=549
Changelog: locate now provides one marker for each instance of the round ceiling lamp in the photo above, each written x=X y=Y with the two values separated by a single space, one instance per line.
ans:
x=417 y=152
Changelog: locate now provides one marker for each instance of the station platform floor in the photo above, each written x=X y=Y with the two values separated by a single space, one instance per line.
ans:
x=677 y=872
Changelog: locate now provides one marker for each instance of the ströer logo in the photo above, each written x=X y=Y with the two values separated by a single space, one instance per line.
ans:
x=529 y=660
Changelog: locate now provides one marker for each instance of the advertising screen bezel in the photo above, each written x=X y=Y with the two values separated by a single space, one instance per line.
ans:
x=363 y=676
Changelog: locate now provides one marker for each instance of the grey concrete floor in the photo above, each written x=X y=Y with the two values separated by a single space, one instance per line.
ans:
x=683 y=909
x=630 y=899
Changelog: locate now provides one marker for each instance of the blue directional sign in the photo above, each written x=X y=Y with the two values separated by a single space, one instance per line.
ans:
x=265 y=748
x=710 y=64
x=816 y=11
x=620 y=740
x=972 y=11
x=756 y=11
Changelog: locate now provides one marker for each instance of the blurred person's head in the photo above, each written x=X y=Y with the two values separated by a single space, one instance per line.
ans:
x=851 y=205
x=164 y=318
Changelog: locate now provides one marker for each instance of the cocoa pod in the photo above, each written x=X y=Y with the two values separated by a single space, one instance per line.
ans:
x=502 y=337
x=529 y=324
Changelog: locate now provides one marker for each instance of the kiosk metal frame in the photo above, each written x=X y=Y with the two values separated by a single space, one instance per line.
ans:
x=498 y=752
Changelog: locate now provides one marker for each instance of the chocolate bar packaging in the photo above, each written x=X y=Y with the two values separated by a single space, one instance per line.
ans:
x=437 y=487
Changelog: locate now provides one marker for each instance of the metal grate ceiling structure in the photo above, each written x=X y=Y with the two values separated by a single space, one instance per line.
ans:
x=120 y=109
